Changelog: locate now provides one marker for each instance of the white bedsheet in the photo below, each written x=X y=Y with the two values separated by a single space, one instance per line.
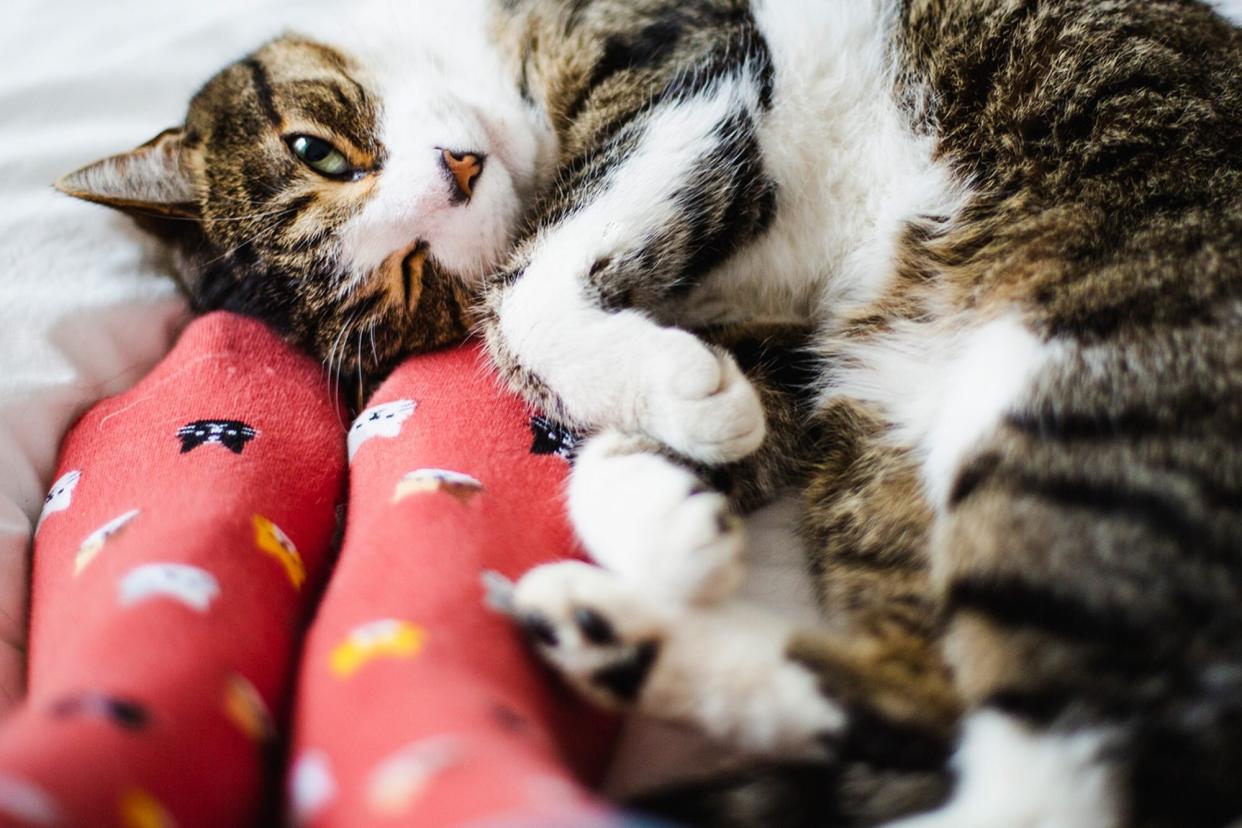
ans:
x=84 y=307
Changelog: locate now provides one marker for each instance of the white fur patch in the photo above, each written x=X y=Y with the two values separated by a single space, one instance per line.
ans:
x=1015 y=777
x=849 y=170
x=651 y=521
x=990 y=374
x=440 y=85
x=944 y=388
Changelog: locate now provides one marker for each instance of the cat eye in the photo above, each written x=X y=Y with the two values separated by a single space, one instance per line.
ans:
x=321 y=156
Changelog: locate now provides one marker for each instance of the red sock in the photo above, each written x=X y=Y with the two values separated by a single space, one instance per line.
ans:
x=417 y=705
x=168 y=594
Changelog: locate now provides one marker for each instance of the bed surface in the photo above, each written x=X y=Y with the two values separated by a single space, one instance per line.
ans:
x=85 y=309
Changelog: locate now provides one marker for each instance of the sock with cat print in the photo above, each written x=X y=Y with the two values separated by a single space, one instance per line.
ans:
x=417 y=705
x=175 y=563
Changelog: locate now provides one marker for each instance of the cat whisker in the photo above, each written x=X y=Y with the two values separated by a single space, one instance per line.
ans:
x=360 y=383
x=334 y=390
x=262 y=234
x=250 y=217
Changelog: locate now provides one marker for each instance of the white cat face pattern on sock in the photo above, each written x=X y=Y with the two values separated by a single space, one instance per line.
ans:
x=311 y=786
x=95 y=541
x=398 y=780
x=24 y=801
x=189 y=585
x=424 y=481
x=60 y=496
x=384 y=420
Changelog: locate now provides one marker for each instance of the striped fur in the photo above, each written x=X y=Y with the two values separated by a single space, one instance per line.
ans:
x=1024 y=502
x=1016 y=227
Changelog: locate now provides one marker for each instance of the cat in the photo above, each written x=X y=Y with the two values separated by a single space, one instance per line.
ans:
x=1016 y=226
x=1023 y=228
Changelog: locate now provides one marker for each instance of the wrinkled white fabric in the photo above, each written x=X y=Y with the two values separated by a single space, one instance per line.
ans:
x=85 y=304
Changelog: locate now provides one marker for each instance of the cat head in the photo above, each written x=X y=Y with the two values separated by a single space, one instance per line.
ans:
x=350 y=197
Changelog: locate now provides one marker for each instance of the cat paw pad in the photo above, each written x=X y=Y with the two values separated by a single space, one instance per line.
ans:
x=602 y=637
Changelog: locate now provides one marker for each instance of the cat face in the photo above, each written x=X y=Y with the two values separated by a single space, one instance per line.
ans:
x=272 y=539
x=347 y=194
x=125 y=713
x=423 y=481
x=96 y=540
x=311 y=786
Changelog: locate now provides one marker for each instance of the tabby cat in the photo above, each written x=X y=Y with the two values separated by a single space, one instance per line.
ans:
x=1017 y=226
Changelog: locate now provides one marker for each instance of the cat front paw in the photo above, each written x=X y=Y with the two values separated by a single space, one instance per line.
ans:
x=697 y=401
x=653 y=522
x=724 y=669
x=602 y=637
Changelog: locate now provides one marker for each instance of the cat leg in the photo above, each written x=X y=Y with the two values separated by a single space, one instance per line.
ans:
x=723 y=669
x=879 y=658
x=622 y=370
x=653 y=521
x=572 y=321
x=1090 y=582
x=867 y=528
x=1094 y=630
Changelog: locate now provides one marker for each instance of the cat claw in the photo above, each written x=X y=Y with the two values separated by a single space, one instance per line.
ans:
x=498 y=593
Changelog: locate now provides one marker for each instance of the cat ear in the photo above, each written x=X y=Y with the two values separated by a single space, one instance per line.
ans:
x=152 y=180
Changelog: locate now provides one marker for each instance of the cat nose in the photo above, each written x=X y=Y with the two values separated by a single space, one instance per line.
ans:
x=464 y=168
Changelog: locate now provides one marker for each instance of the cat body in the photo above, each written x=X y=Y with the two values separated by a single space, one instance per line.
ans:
x=1016 y=228
x=1025 y=279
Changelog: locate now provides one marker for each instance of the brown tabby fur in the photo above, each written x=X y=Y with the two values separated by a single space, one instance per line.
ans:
x=255 y=239
x=1090 y=565
x=1088 y=569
